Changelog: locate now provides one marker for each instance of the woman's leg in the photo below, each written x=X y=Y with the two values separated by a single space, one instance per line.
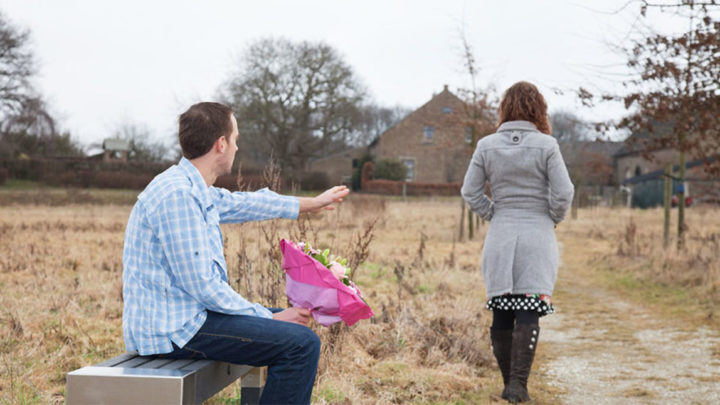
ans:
x=527 y=318
x=503 y=320
x=501 y=338
x=524 y=342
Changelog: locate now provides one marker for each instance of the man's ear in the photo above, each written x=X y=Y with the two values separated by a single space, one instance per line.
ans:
x=220 y=144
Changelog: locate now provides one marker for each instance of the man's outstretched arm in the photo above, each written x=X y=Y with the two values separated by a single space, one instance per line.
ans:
x=264 y=204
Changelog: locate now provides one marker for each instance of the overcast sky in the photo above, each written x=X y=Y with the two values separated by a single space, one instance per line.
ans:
x=106 y=63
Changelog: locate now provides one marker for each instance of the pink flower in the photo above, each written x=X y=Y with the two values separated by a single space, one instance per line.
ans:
x=338 y=270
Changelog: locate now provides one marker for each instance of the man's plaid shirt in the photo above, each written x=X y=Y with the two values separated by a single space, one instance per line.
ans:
x=174 y=269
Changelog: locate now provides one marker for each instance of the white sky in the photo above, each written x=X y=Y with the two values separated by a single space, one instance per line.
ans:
x=105 y=63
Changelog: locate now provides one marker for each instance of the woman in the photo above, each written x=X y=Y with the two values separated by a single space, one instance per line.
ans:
x=531 y=193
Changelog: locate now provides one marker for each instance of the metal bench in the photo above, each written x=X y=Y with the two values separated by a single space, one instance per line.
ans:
x=134 y=379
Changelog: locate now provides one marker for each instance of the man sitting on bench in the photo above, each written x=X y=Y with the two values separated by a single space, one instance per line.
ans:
x=177 y=300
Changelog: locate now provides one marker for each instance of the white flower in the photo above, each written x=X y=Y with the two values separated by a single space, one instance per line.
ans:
x=338 y=270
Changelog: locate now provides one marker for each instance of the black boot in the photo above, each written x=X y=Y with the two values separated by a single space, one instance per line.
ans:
x=524 y=343
x=501 y=344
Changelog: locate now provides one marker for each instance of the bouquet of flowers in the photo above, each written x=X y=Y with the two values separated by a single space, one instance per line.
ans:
x=317 y=281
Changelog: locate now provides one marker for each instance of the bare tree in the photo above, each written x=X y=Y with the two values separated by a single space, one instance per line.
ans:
x=26 y=125
x=481 y=103
x=568 y=128
x=674 y=95
x=16 y=67
x=479 y=116
x=32 y=118
x=295 y=99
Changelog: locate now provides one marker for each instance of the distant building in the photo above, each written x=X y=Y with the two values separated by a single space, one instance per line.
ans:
x=630 y=162
x=432 y=141
x=648 y=189
x=339 y=167
x=646 y=177
x=115 y=150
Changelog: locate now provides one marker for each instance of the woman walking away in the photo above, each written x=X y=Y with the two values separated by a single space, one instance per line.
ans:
x=531 y=193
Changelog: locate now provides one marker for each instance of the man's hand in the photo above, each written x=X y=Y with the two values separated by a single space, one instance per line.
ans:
x=333 y=195
x=324 y=200
x=300 y=316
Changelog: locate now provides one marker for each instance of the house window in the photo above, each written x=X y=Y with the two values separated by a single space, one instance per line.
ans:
x=354 y=163
x=468 y=134
x=410 y=166
x=429 y=133
x=447 y=110
x=638 y=170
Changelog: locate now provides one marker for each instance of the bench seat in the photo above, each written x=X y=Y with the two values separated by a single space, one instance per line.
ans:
x=134 y=379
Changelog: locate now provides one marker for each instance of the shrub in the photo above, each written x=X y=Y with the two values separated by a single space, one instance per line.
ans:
x=390 y=170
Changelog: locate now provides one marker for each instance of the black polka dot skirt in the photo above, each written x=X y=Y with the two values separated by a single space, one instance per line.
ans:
x=539 y=303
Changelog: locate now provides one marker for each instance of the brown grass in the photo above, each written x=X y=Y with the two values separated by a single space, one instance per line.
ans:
x=628 y=244
x=61 y=308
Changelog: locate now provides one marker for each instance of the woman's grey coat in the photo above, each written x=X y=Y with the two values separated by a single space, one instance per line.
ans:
x=531 y=192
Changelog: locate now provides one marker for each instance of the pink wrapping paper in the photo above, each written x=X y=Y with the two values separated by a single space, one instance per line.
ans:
x=311 y=285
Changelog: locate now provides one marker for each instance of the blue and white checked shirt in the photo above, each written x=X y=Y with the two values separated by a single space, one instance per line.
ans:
x=174 y=269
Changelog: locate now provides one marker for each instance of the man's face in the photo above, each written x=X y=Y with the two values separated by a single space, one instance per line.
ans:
x=232 y=148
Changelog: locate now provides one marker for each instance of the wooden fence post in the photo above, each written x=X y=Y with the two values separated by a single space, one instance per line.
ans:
x=462 y=219
x=666 y=204
x=681 y=204
x=470 y=224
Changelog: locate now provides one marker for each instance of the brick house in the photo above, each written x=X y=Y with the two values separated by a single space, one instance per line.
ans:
x=432 y=141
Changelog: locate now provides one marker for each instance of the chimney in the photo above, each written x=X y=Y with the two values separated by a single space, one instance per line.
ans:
x=445 y=87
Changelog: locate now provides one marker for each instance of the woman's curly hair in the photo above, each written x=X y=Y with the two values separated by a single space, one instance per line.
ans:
x=523 y=102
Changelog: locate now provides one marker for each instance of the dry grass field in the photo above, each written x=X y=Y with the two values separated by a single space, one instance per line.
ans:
x=61 y=303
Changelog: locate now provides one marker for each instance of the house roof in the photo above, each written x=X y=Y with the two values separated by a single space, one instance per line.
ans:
x=659 y=173
x=445 y=92
x=111 y=144
x=374 y=143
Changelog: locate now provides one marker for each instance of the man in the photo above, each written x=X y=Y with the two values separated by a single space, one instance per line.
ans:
x=177 y=301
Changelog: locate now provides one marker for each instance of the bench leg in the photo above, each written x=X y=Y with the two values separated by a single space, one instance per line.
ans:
x=252 y=386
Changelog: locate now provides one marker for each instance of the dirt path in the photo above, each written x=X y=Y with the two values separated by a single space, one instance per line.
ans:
x=600 y=348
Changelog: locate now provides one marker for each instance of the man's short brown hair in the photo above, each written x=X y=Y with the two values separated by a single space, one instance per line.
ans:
x=201 y=125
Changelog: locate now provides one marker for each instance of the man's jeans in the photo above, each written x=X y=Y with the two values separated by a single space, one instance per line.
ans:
x=290 y=351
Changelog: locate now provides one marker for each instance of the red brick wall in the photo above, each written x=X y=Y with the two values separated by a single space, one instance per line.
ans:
x=390 y=187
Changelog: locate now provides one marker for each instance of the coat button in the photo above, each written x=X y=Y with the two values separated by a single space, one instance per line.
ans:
x=515 y=139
